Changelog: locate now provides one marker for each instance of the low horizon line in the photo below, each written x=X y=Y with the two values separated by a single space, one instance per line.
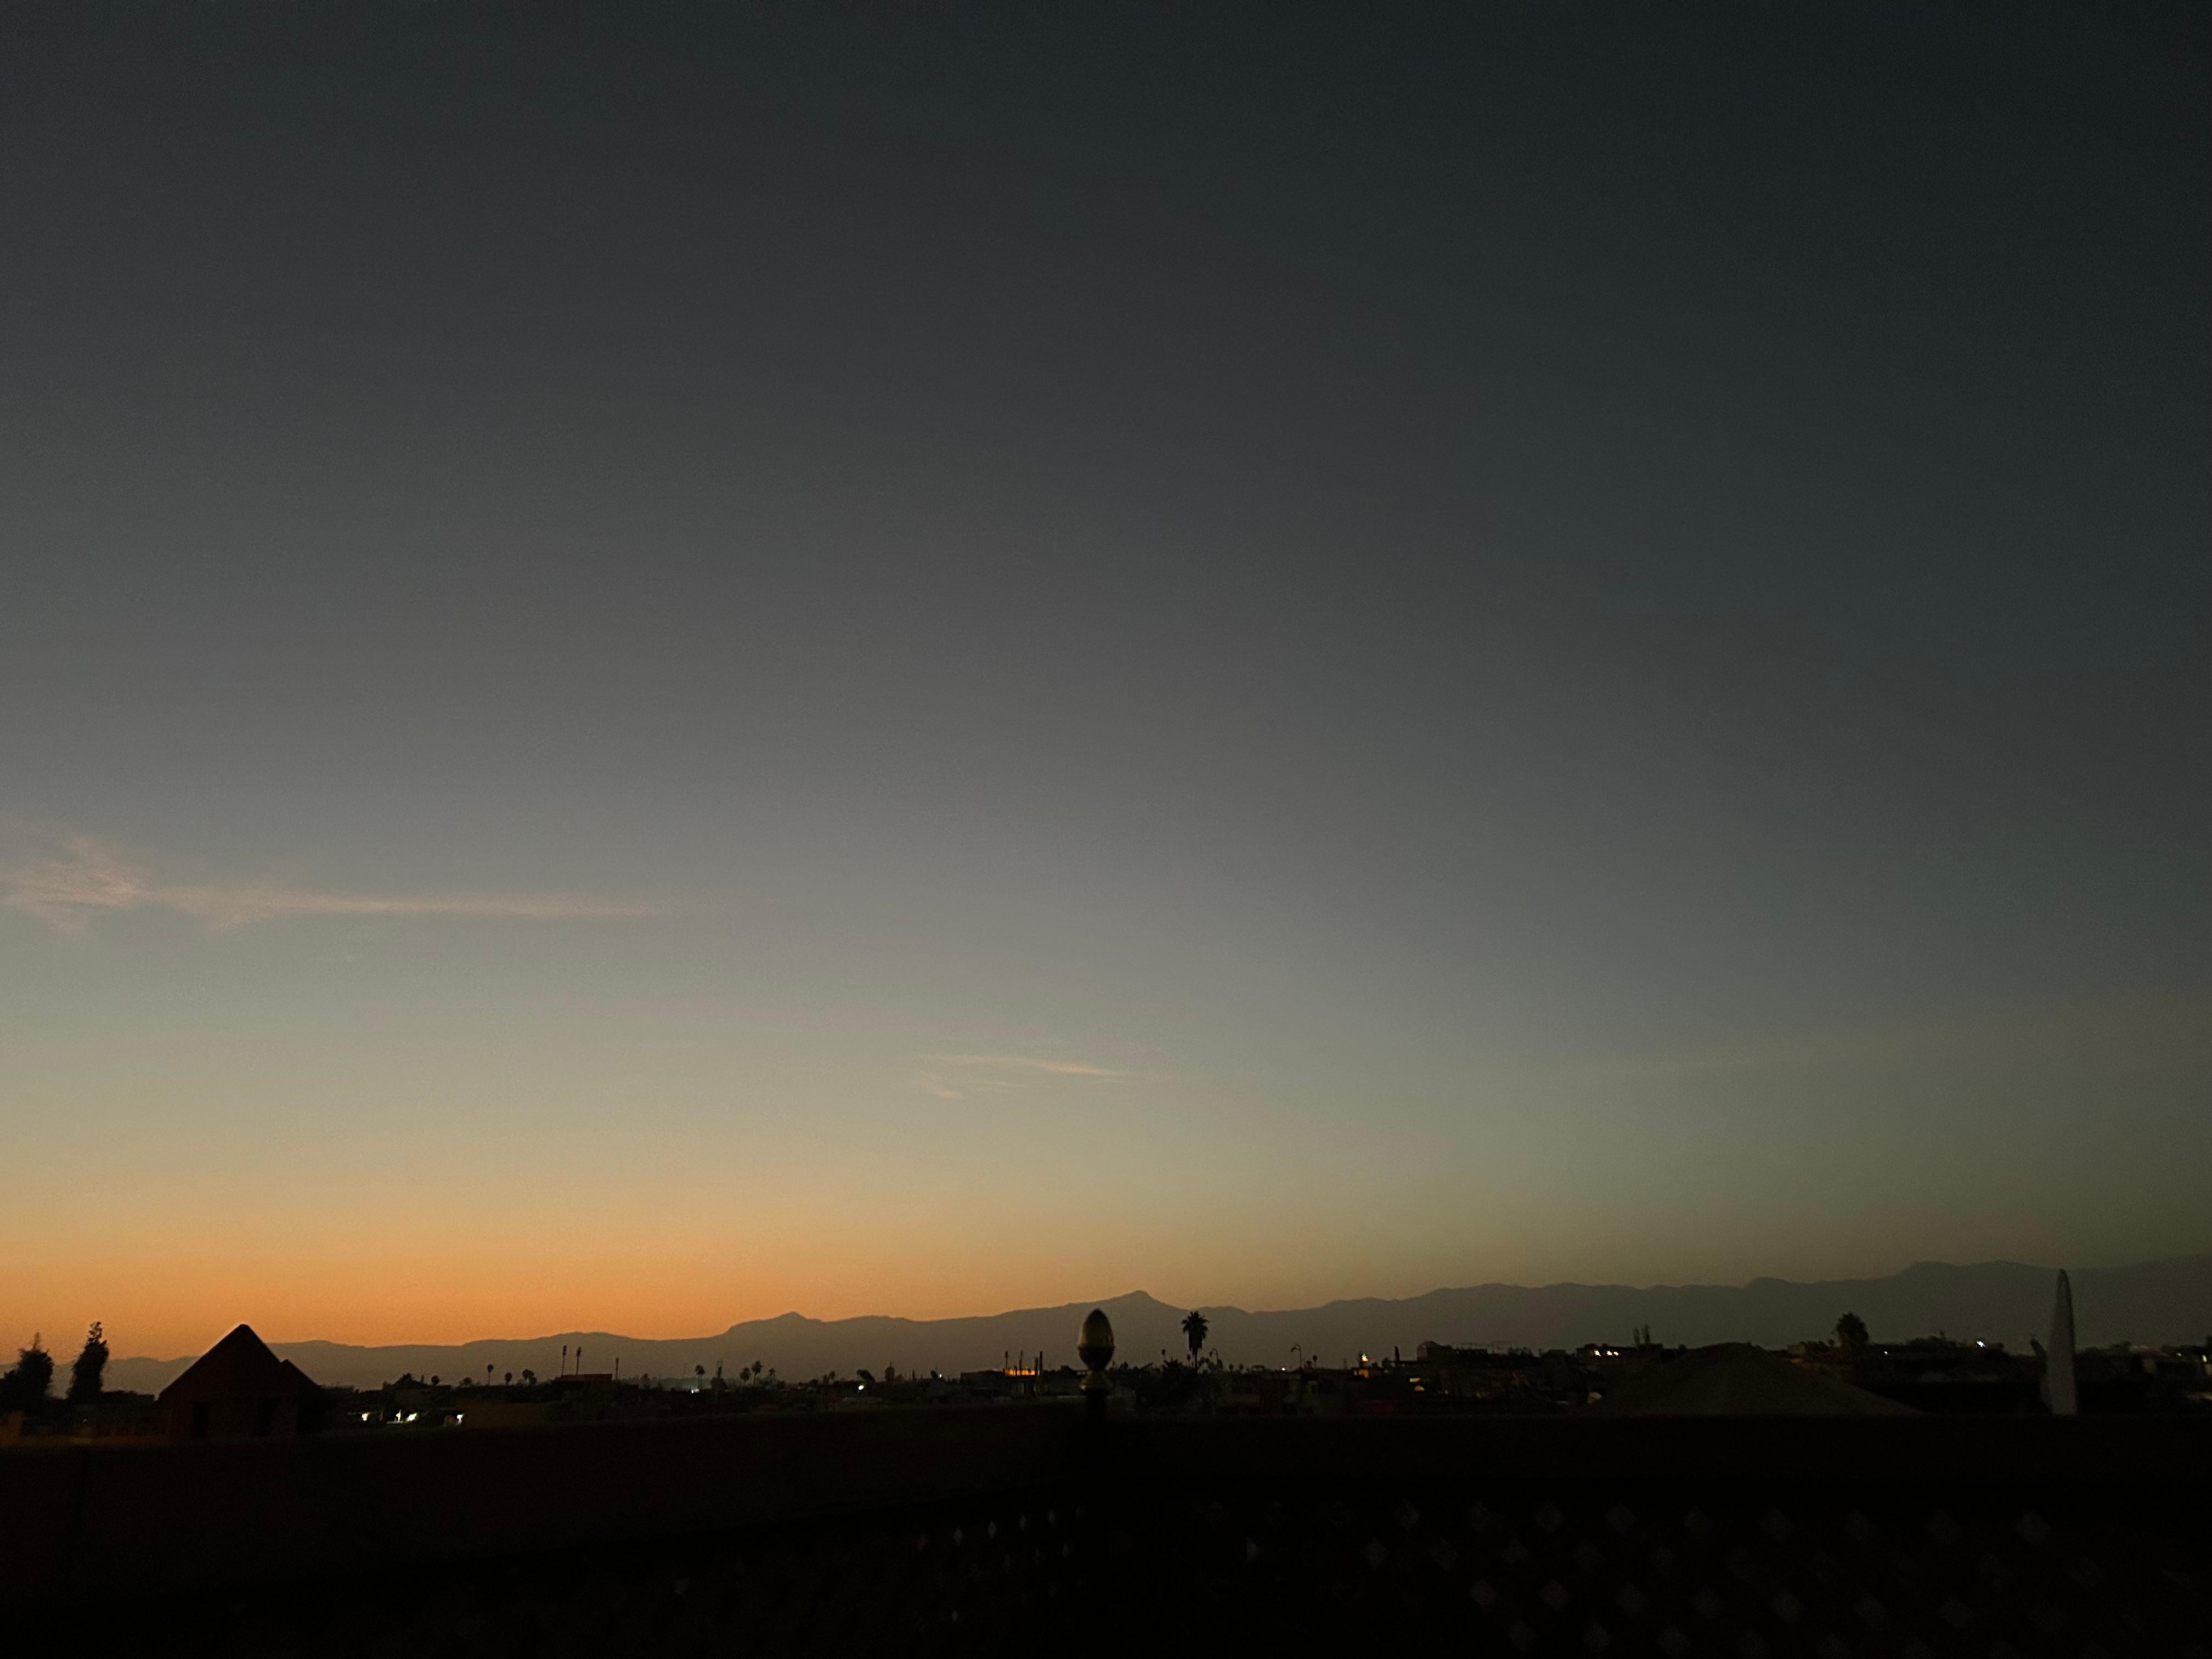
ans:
x=1205 y=1308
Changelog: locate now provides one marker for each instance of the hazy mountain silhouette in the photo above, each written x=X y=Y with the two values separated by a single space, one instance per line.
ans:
x=2168 y=1301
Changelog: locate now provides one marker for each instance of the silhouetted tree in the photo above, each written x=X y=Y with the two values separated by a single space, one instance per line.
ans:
x=530 y=1379
x=1194 y=1331
x=506 y=1379
x=700 y=1372
x=91 y=1362
x=433 y=1380
x=26 y=1388
x=1851 y=1332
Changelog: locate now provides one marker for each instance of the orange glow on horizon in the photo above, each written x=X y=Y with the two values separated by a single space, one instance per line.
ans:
x=174 y=1304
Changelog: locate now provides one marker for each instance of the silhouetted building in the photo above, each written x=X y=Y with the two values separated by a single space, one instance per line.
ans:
x=1734 y=1379
x=238 y=1390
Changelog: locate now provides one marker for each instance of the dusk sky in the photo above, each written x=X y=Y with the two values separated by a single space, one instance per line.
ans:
x=658 y=665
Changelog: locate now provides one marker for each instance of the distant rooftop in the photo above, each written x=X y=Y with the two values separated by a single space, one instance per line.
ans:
x=1735 y=1379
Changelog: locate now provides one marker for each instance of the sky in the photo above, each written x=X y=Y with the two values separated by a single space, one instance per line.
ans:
x=663 y=664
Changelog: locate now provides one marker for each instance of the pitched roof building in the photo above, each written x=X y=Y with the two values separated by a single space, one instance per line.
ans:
x=238 y=1390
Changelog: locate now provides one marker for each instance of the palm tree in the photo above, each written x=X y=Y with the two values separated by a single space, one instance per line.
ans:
x=1194 y=1331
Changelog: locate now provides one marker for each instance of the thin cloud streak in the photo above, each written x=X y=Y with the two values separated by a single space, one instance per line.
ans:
x=1023 y=1062
x=940 y=1087
x=73 y=878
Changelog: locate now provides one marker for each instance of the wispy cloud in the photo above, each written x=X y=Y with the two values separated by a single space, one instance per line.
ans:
x=67 y=880
x=989 y=1073
x=1026 y=1063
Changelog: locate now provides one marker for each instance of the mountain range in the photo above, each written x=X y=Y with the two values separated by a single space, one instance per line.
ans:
x=2167 y=1301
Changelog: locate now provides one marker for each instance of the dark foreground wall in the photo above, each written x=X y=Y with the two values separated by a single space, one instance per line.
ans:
x=147 y=1517
x=1747 y=1537
x=1014 y=1529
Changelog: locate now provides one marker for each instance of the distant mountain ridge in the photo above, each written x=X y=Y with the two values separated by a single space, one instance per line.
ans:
x=2165 y=1301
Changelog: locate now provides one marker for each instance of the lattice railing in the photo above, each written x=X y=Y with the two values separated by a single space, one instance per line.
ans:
x=1660 y=1539
x=1681 y=1571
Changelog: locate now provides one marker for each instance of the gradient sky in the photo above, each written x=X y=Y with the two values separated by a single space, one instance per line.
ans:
x=661 y=664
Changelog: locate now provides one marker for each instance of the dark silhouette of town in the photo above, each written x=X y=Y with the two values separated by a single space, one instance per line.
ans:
x=1631 y=1494
x=240 y=1390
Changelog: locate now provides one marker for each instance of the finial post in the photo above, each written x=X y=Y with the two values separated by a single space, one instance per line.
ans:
x=2060 y=1391
x=1095 y=1347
